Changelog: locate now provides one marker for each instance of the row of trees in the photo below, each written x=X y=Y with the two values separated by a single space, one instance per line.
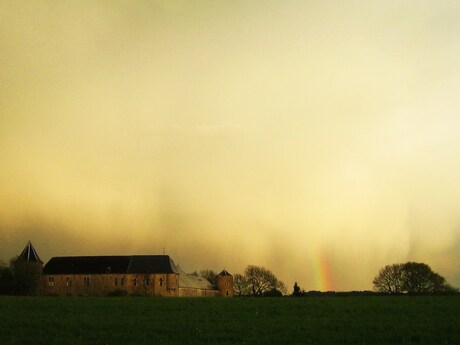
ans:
x=19 y=278
x=412 y=278
x=255 y=281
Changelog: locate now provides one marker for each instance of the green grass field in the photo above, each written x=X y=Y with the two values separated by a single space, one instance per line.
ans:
x=309 y=320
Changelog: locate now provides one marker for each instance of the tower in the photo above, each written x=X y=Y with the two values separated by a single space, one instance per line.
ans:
x=225 y=284
x=28 y=271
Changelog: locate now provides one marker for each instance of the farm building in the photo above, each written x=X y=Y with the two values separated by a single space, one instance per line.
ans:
x=145 y=275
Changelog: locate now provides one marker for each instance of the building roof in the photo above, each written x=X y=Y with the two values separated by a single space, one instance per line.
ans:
x=193 y=282
x=142 y=264
x=224 y=273
x=134 y=264
x=87 y=265
x=29 y=254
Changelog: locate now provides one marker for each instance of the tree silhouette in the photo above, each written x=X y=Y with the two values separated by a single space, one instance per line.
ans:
x=296 y=290
x=390 y=279
x=420 y=279
x=7 y=280
x=210 y=276
x=260 y=280
x=412 y=278
x=240 y=285
x=21 y=277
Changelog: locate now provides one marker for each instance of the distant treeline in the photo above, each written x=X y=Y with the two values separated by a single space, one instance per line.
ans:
x=360 y=293
x=334 y=293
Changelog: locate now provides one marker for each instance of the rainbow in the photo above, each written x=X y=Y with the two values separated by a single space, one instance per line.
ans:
x=322 y=272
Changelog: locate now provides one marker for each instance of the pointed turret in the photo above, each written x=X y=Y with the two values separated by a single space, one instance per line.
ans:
x=29 y=254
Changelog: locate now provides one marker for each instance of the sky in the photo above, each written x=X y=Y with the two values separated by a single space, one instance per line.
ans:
x=318 y=139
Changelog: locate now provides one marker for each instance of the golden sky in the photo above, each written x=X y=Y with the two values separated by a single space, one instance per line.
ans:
x=231 y=133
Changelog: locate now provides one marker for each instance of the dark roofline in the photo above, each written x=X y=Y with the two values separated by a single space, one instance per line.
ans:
x=87 y=265
x=91 y=256
x=127 y=264
x=224 y=273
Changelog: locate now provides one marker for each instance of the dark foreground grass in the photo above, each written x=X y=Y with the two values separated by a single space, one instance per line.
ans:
x=310 y=320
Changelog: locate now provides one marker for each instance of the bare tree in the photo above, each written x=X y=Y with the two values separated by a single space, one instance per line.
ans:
x=240 y=285
x=260 y=280
x=389 y=279
x=281 y=287
x=210 y=276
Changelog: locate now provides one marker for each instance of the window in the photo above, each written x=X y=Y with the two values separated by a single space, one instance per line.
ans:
x=122 y=281
x=69 y=281
x=116 y=281
x=161 y=281
x=86 y=281
x=147 y=281
x=50 y=281
x=135 y=282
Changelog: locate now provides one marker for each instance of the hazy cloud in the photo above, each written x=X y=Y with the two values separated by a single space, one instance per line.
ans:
x=233 y=133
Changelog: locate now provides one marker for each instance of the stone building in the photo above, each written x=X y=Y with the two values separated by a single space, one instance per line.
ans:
x=144 y=275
